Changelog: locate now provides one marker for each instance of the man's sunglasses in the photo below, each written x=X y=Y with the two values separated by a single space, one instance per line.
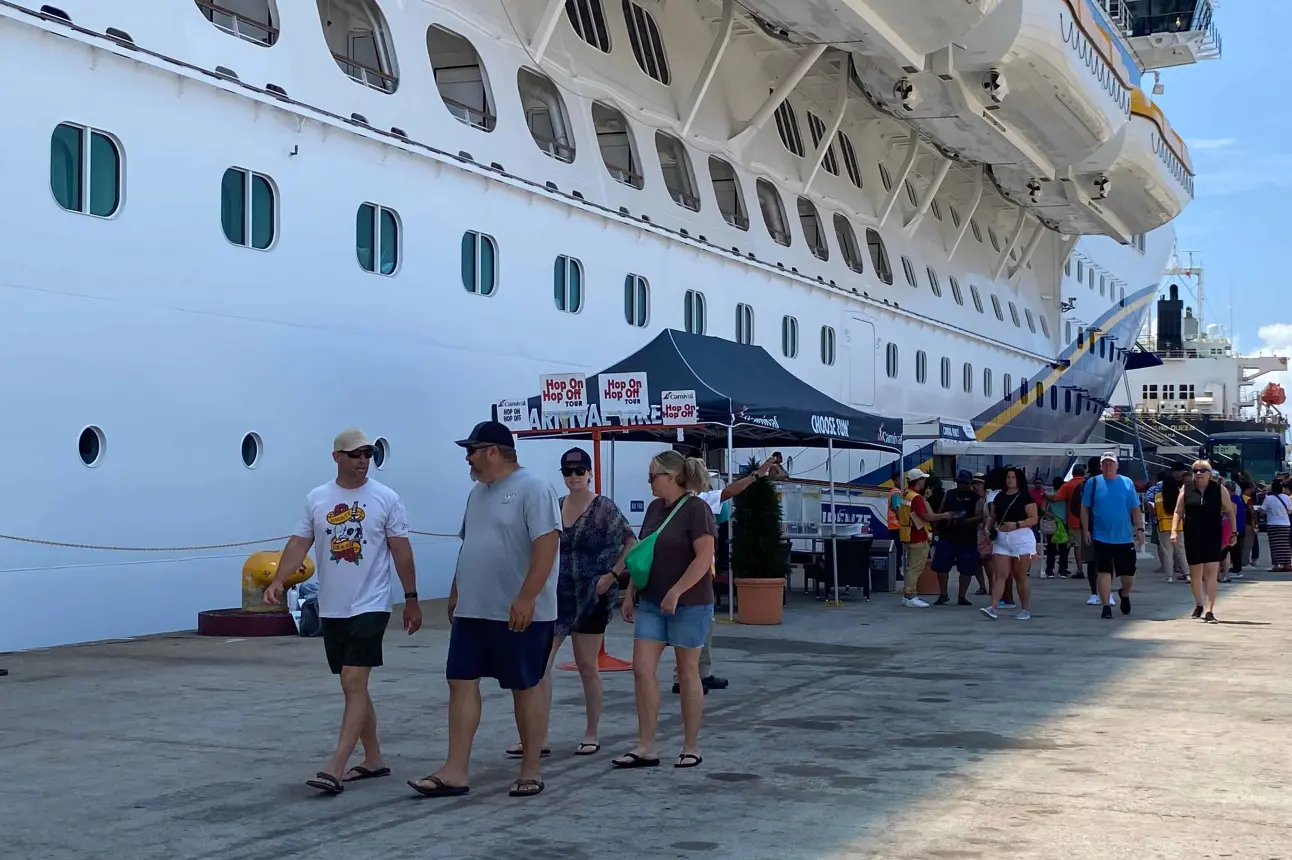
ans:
x=365 y=453
x=580 y=471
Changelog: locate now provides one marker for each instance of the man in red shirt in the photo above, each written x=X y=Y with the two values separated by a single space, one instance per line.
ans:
x=917 y=542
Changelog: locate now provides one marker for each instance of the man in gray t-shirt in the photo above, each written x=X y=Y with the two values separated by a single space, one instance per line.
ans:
x=502 y=606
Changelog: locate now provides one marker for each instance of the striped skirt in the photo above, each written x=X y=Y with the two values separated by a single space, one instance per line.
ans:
x=1280 y=538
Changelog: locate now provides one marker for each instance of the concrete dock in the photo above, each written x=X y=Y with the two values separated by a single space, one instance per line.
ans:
x=866 y=731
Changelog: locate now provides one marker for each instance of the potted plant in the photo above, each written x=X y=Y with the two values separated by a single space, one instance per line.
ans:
x=758 y=559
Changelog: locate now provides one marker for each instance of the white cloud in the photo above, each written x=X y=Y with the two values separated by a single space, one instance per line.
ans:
x=1211 y=143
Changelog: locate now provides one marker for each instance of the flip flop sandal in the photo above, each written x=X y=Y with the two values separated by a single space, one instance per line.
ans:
x=526 y=788
x=518 y=751
x=439 y=788
x=588 y=749
x=361 y=772
x=687 y=760
x=326 y=783
x=634 y=760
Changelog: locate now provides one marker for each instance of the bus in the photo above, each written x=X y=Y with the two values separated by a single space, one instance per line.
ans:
x=1262 y=455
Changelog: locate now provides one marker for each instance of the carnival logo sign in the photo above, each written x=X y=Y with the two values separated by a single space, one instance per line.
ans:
x=828 y=425
x=889 y=438
x=761 y=420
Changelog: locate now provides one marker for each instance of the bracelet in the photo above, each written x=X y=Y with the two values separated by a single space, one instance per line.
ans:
x=410 y=595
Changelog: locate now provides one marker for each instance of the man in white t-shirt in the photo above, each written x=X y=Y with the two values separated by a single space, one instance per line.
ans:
x=359 y=530
x=502 y=607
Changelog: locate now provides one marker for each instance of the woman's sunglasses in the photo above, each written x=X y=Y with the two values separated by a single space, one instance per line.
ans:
x=1202 y=471
x=577 y=470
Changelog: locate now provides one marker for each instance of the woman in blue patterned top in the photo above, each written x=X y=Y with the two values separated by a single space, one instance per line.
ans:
x=595 y=536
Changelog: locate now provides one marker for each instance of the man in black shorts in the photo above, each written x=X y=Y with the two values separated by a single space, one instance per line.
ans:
x=359 y=530
x=502 y=607
x=1113 y=518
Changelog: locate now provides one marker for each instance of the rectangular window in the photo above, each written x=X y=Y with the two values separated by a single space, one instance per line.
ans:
x=567 y=284
x=79 y=173
x=253 y=225
x=376 y=231
x=479 y=263
x=636 y=301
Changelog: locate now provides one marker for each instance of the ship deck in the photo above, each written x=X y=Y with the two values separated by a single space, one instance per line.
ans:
x=859 y=732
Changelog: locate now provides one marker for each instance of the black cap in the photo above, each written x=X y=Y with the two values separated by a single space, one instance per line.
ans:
x=488 y=433
x=575 y=458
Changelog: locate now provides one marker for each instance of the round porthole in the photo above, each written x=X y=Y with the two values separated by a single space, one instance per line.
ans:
x=252 y=447
x=92 y=446
x=380 y=452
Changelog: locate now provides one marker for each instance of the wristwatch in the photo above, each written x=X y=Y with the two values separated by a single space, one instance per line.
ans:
x=410 y=595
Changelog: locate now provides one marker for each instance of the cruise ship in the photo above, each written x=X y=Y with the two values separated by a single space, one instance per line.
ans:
x=934 y=210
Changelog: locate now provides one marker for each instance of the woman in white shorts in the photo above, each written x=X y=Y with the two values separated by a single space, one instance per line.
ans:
x=1010 y=518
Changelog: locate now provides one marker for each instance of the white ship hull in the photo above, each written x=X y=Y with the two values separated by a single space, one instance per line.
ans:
x=153 y=327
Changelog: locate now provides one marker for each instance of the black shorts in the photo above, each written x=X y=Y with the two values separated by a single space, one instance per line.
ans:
x=354 y=641
x=1115 y=558
x=597 y=619
x=484 y=648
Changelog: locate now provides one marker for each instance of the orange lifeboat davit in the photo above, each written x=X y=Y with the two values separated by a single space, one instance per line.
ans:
x=1273 y=395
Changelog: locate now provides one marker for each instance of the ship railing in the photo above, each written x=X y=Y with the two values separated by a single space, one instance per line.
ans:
x=690 y=201
x=472 y=116
x=260 y=32
x=736 y=219
x=364 y=74
x=627 y=177
x=554 y=148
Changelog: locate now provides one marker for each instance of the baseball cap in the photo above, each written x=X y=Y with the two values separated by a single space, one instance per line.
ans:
x=916 y=474
x=488 y=433
x=350 y=440
x=576 y=458
x=964 y=476
x=979 y=477
x=1108 y=455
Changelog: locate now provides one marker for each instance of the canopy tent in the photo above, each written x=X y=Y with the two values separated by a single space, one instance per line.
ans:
x=733 y=394
x=743 y=396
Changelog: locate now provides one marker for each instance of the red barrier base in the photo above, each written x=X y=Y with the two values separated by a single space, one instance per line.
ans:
x=605 y=663
x=240 y=623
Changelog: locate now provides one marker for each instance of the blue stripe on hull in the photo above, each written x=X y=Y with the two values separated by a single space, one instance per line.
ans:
x=1095 y=375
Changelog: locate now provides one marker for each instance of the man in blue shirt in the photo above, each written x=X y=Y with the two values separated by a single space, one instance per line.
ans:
x=1112 y=519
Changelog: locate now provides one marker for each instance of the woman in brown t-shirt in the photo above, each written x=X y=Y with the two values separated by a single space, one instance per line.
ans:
x=676 y=604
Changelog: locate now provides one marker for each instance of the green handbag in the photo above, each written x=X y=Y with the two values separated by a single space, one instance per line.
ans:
x=639 y=559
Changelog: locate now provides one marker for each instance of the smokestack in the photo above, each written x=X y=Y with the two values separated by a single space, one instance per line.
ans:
x=1170 y=333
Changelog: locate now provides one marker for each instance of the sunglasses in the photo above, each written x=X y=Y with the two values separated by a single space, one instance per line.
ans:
x=653 y=476
x=1202 y=471
x=365 y=453
x=579 y=471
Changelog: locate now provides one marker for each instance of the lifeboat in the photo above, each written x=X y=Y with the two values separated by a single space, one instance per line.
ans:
x=1273 y=395
x=1038 y=86
x=903 y=31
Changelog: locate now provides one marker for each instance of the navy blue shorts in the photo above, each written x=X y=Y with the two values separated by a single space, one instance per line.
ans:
x=484 y=648
x=963 y=558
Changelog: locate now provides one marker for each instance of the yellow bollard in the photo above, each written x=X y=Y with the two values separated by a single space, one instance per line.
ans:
x=260 y=570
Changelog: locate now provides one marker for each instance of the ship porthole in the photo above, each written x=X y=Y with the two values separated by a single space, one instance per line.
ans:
x=380 y=452
x=252 y=448
x=92 y=446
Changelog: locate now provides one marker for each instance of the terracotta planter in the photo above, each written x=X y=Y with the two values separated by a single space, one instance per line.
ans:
x=760 y=600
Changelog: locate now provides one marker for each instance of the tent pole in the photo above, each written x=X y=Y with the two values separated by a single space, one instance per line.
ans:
x=596 y=461
x=834 y=519
x=731 y=526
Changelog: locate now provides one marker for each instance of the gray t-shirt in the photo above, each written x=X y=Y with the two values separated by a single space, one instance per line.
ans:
x=501 y=521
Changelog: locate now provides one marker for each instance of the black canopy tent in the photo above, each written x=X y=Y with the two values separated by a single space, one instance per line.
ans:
x=743 y=396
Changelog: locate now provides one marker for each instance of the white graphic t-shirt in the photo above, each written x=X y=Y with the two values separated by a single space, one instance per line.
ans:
x=349 y=529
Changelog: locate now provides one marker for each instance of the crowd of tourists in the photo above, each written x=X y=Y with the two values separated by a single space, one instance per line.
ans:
x=534 y=569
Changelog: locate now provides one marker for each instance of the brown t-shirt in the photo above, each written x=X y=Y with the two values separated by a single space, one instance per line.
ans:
x=675 y=550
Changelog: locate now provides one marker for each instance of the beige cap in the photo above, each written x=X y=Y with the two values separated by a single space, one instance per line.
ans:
x=915 y=475
x=350 y=440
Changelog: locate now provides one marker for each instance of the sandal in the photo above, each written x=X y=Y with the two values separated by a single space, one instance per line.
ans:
x=439 y=788
x=517 y=751
x=687 y=760
x=526 y=788
x=588 y=749
x=326 y=783
x=361 y=772
x=629 y=760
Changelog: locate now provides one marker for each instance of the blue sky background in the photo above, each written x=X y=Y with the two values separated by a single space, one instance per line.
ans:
x=1233 y=114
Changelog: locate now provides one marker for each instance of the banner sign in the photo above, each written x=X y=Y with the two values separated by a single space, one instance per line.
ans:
x=679 y=407
x=624 y=394
x=563 y=393
x=514 y=414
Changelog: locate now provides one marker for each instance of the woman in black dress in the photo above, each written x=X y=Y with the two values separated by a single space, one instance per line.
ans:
x=1202 y=506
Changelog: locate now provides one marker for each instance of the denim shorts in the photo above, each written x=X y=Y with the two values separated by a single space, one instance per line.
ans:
x=687 y=627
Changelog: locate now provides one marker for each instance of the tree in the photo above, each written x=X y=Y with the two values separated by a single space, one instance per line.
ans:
x=757 y=551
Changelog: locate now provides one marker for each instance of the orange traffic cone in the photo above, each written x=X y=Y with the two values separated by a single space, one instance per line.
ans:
x=605 y=663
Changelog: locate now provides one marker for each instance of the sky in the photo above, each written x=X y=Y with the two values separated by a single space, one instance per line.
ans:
x=1239 y=132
